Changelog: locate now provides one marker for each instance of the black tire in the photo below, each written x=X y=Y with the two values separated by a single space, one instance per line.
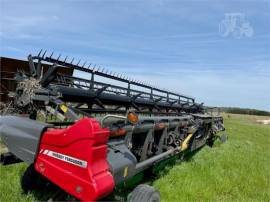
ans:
x=144 y=193
x=211 y=142
x=31 y=179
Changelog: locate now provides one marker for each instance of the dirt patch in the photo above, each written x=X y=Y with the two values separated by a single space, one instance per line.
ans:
x=264 y=121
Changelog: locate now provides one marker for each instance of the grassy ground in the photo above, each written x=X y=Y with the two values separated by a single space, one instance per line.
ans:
x=235 y=171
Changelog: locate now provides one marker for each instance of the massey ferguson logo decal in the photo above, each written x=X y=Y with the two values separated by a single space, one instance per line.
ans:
x=68 y=159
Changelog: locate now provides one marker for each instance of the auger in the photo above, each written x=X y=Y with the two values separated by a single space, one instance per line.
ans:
x=94 y=131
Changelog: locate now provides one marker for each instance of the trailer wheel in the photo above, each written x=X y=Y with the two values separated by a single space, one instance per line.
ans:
x=210 y=142
x=144 y=193
x=31 y=179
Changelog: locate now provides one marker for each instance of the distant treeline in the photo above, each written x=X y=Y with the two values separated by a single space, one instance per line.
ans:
x=236 y=110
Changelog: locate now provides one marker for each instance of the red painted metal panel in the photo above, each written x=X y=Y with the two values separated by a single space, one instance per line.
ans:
x=75 y=159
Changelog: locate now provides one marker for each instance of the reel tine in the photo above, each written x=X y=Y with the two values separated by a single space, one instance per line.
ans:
x=51 y=54
x=65 y=58
x=44 y=54
x=79 y=62
x=84 y=64
x=58 y=57
x=39 y=52
x=72 y=61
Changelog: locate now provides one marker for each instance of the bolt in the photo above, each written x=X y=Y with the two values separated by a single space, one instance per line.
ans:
x=78 y=189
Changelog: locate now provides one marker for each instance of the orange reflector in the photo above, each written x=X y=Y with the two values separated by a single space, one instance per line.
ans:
x=132 y=118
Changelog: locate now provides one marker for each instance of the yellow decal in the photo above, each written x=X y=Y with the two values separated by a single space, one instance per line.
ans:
x=125 y=171
x=64 y=108
x=185 y=143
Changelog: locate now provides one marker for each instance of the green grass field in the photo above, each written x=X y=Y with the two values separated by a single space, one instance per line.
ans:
x=238 y=170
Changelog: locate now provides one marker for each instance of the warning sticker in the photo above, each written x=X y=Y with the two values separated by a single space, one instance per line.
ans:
x=64 y=108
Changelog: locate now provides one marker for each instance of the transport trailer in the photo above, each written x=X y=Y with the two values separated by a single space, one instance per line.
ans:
x=94 y=131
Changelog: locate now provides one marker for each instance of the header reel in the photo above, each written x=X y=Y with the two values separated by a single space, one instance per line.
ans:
x=92 y=95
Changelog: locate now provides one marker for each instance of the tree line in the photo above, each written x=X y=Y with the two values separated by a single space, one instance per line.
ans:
x=237 y=110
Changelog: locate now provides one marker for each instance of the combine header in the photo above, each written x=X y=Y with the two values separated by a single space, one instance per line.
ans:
x=94 y=131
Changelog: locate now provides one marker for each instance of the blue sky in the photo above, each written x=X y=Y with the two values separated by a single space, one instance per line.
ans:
x=172 y=44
